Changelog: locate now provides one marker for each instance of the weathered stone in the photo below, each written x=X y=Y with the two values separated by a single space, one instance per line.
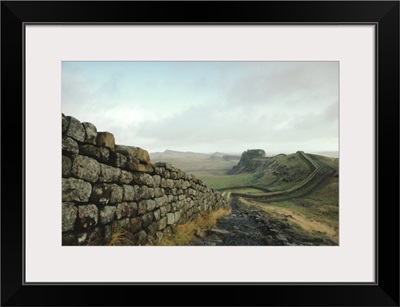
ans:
x=129 y=193
x=136 y=224
x=159 y=236
x=107 y=214
x=125 y=210
x=121 y=224
x=64 y=123
x=136 y=152
x=145 y=168
x=144 y=192
x=141 y=238
x=117 y=159
x=152 y=229
x=161 y=201
x=109 y=173
x=126 y=177
x=141 y=179
x=151 y=204
x=132 y=164
x=157 y=214
x=88 y=215
x=90 y=133
x=162 y=223
x=137 y=192
x=185 y=185
x=142 y=207
x=163 y=211
x=157 y=181
x=159 y=192
x=169 y=183
x=66 y=166
x=107 y=232
x=86 y=168
x=69 y=145
x=126 y=150
x=106 y=193
x=101 y=154
x=177 y=216
x=75 y=129
x=151 y=192
x=69 y=213
x=147 y=218
x=159 y=171
x=170 y=218
x=105 y=139
x=143 y=155
x=75 y=190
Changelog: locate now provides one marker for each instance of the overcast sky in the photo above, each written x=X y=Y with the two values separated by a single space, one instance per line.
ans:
x=208 y=106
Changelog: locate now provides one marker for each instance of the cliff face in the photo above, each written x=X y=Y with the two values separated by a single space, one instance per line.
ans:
x=247 y=163
x=108 y=187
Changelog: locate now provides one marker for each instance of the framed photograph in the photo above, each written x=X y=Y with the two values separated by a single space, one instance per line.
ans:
x=237 y=146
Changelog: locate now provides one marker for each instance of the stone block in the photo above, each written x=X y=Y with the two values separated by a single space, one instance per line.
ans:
x=129 y=193
x=107 y=214
x=101 y=154
x=66 y=166
x=117 y=159
x=69 y=145
x=126 y=177
x=142 y=207
x=121 y=224
x=170 y=218
x=151 y=204
x=135 y=224
x=88 y=215
x=162 y=223
x=106 y=193
x=75 y=190
x=75 y=129
x=105 y=139
x=90 y=133
x=147 y=218
x=157 y=214
x=125 y=209
x=64 y=123
x=85 y=168
x=109 y=173
x=69 y=214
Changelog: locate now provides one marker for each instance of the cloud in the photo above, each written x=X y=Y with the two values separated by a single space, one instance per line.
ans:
x=226 y=107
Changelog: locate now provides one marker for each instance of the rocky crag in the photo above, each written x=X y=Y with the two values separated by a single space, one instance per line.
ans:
x=107 y=188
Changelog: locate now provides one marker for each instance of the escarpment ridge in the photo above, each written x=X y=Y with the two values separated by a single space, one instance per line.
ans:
x=107 y=187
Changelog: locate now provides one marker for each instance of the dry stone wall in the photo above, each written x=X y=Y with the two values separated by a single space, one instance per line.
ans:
x=108 y=187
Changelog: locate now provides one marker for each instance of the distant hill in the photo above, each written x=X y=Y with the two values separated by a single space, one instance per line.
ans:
x=280 y=171
x=193 y=161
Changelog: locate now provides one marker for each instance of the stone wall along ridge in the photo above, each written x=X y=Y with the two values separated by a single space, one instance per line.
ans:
x=108 y=188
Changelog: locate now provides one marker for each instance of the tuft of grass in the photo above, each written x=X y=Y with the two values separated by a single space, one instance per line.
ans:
x=183 y=234
x=120 y=237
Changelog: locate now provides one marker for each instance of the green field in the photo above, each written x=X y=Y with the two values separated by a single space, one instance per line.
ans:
x=299 y=191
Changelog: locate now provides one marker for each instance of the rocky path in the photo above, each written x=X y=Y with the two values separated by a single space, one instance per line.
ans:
x=245 y=228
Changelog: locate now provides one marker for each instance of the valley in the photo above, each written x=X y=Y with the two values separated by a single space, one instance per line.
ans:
x=284 y=199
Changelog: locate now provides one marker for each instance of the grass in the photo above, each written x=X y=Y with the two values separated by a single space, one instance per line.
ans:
x=225 y=181
x=313 y=217
x=183 y=234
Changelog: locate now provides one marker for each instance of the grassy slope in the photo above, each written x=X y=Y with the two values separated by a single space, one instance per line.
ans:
x=315 y=216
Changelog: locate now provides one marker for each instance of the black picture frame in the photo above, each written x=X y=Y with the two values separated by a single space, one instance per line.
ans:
x=383 y=14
